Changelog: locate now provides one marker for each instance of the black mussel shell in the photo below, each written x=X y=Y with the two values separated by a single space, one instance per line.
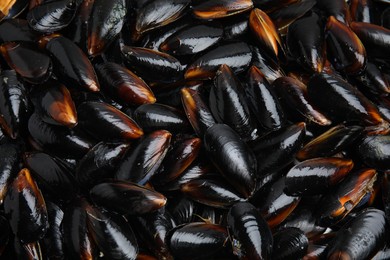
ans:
x=330 y=142
x=316 y=176
x=14 y=104
x=232 y=157
x=197 y=240
x=263 y=101
x=236 y=55
x=105 y=23
x=123 y=85
x=214 y=9
x=306 y=41
x=50 y=138
x=52 y=16
x=112 y=234
x=212 y=192
x=228 y=105
x=348 y=103
x=289 y=243
x=78 y=242
x=71 y=65
x=374 y=151
x=127 y=198
x=54 y=104
x=249 y=232
x=35 y=69
x=197 y=110
x=192 y=39
x=25 y=208
x=100 y=163
x=52 y=174
x=104 y=121
x=152 y=117
x=53 y=240
x=142 y=161
x=151 y=65
x=369 y=226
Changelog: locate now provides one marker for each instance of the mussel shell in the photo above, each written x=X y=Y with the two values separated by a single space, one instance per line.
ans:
x=346 y=51
x=126 y=198
x=25 y=208
x=304 y=219
x=152 y=228
x=374 y=37
x=289 y=243
x=14 y=104
x=104 y=121
x=293 y=94
x=50 y=137
x=105 y=23
x=369 y=226
x=152 y=65
x=77 y=30
x=141 y=162
x=221 y=8
x=374 y=80
x=9 y=166
x=263 y=100
x=124 y=85
x=212 y=192
x=99 y=163
x=236 y=55
x=78 y=242
x=277 y=149
x=52 y=16
x=71 y=65
x=265 y=32
x=35 y=69
x=52 y=174
x=337 y=8
x=348 y=101
x=254 y=238
x=237 y=28
x=54 y=104
x=192 y=39
x=339 y=201
x=53 y=239
x=228 y=105
x=12 y=8
x=152 y=117
x=112 y=234
x=306 y=41
x=197 y=111
x=273 y=202
x=153 y=40
x=284 y=16
x=232 y=157
x=197 y=169
x=176 y=161
x=268 y=66
x=31 y=250
x=158 y=13
x=271 y=5
x=374 y=151
x=197 y=240
x=362 y=11
x=5 y=234
x=182 y=210
x=316 y=176
x=16 y=30
x=330 y=142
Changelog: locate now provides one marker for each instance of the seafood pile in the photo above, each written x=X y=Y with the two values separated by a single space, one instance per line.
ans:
x=203 y=129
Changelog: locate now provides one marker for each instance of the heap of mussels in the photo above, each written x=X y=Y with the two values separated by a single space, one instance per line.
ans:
x=203 y=129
